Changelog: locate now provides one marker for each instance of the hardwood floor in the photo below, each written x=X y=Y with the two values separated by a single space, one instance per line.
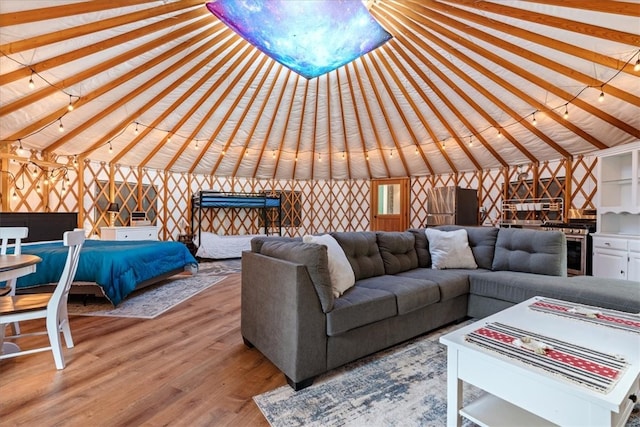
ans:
x=186 y=367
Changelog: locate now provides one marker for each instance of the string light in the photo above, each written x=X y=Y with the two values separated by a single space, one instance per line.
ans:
x=566 y=112
x=367 y=155
x=169 y=138
x=499 y=133
x=20 y=149
x=110 y=148
x=75 y=160
x=135 y=131
x=31 y=83
x=296 y=159
x=601 y=97
x=417 y=151
x=343 y=155
x=61 y=127
x=274 y=154
x=196 y=146
x=223 y=152
x=636 y=67
x=319 y=157
x=391 y=154
x=443 y=144
x=15 y=195
x=470 y=140
x=246 y=152
x=70 y=106
x=534 y=121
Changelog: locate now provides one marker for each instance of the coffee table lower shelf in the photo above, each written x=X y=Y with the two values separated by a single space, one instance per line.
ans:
x=491 y=411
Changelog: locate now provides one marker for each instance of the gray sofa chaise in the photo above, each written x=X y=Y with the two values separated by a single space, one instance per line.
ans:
x=290 y=314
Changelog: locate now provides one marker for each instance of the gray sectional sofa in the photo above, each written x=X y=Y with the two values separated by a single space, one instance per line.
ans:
x=290 y=314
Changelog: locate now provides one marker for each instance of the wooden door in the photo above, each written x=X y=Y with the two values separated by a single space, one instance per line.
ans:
x=390 y=204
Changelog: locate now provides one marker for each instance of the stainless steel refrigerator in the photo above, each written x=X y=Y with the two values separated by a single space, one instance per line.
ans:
x=452 y=205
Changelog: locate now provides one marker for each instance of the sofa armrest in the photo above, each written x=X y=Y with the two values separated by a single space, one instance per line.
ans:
x=282 y=317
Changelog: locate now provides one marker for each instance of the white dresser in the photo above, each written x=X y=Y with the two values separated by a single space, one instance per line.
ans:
x=146 y=232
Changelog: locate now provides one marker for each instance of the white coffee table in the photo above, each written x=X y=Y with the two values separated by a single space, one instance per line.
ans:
x=518 y=394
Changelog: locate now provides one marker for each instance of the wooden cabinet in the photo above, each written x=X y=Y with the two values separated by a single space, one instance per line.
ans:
x=149 y=232
x=616 y=244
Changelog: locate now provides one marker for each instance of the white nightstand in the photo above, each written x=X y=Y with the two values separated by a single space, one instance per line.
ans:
x=147 y=232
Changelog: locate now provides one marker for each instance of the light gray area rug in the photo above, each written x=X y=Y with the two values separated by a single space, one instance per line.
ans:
x=152 y=301
x=402 y=386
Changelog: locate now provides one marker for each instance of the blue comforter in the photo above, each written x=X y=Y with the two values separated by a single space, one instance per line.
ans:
x=117 y=266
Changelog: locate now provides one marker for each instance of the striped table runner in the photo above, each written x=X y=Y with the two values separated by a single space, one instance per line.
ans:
x=600 y=316
x=579 y=365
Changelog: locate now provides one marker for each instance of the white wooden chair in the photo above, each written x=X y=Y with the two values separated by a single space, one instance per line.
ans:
x=16 y=234
x=52 y=307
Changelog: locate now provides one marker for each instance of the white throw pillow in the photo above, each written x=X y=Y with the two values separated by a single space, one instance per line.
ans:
x=340 y=272
x=450 y=249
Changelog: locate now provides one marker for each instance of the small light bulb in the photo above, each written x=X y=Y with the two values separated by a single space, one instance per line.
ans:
x=223 y=152
x=534 y=121
x=14 y=196
x=636 y=67
x=31 y=83
x=70 y=106
x=246 y=153
x=274 y=154
x=391 y=154
x=417 y=151
x=61 y=127
x=110 y=148
x=296 y=159
x=343 y=155
x=135 y=131
x=75 y=160
x=601 y=97
x=319 y=157
x=470 y=141
x=367 y=156
x=566 y=113
x=499 y=134
x=169 y=138
x=196 y=145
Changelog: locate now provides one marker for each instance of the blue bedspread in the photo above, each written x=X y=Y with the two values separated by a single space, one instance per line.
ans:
x=117 y=266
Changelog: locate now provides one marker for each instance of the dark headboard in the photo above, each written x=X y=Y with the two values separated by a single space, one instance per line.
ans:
x=43 y=226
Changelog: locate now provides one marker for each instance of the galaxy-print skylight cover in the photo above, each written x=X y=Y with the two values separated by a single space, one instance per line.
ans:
x=311 y=37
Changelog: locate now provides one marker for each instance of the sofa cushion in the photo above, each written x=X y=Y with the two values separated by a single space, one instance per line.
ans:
x=398 y=251
x=531 y=251
x=452 y=283
x=358 y=307
x=314 y=257
x=361 y=249
x=258 y=241
x=340 y=272
x=411 y=293
x=450 y=249
x=516 y=287
x=482 y=241
x=422 y=247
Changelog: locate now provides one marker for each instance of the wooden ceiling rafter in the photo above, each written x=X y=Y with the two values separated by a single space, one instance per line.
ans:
x=275 y=110
x=444 y=99
x=196 y=106
x=176 y=50
x=407 y=97
x=94 y=48
x=99 y=68
x=345 y=153
x=385 y=115
x=256 y=54
x=617 y=7
x=329 y=134
x=551 y=65
x=247 y=108
x=480 y=88
x=562 y=23
x=302 y=115
x=555 y=44
x=315 y=128
x=505 y=84
x=96 y=26
x=365 y=150
x=148 y=105
x=372 y=123
x=239 y=48
x=374 y=128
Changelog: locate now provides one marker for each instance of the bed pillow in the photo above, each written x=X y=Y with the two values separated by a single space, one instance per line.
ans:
x=340 y=272
x=450 y=249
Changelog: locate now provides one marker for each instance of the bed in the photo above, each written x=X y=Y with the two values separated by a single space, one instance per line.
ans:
x=116 y=267
x=213 y=246
x=269 y=208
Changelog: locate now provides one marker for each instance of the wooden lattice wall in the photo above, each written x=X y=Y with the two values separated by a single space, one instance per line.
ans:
x=324 y=205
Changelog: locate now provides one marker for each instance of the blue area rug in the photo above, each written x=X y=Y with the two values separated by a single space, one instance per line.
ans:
x=403 y=386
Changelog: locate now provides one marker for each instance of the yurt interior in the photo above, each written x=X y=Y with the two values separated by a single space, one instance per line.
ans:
x=298 y=212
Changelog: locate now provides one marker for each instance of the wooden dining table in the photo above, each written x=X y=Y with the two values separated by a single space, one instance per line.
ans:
x=14 y=266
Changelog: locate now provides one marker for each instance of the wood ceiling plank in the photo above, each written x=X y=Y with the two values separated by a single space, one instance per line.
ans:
x=103 y=66
x=559 y=45
x=276 y=108
x=56 y=61
x=385 y=116
x=176 y=50
x=365 y=151
x=54 y=12
x=93 y=27
x=506 y=85
x=445 y=99
x=480 y=88
x=374 y=128
x=561 y=23
x=527 y=54
x=304 y=104
x=244 y=51
x=345 y=151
